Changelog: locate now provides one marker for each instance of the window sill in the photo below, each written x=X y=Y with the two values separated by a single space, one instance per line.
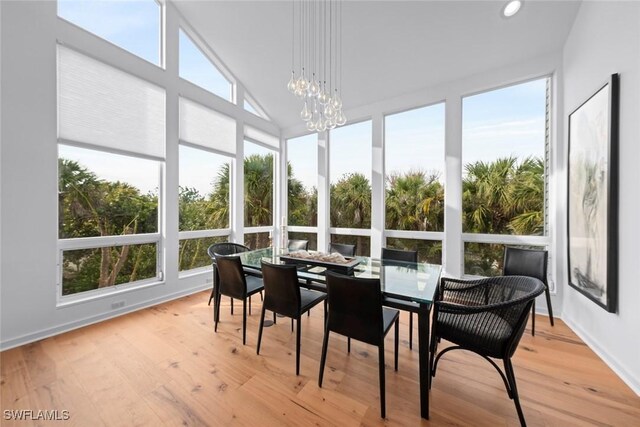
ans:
x=97 y=294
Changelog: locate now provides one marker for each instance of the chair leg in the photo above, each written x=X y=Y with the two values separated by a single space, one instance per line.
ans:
x=232 y=306
x=292 y=324
x=260 y=330
x=383 y=411
x=533 y=319
x=213 y=293
x=410 y=331
x=396 y=342
x=261 y=296
x=308 y=312
x=348 y=345
x=274 y=318
x=511 y=378
x=297 y=345
x=323 y=357
x=216 y=318
x=249 y=306
x=244 y=322
x=548 y=295
x=326 y=308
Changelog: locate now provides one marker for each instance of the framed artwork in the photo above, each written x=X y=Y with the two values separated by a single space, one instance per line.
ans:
x=592 y=196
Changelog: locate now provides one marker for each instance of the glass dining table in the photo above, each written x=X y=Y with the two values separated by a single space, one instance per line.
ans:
x=414 y=283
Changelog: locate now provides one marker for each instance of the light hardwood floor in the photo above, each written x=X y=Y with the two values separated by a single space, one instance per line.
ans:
x=165 y=365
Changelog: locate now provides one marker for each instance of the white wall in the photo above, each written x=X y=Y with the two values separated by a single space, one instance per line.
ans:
x=28 y=171
x=605 y=39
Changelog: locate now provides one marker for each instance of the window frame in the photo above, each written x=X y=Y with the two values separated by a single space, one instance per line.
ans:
x=162 y=26
x=97 y=242
x=210 y=56
x=211 y=232
x=431 y=236
x=545 y=240
x=310 y=229
x=274 y=192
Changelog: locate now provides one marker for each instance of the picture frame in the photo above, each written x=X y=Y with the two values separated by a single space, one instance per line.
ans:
x=592 y=196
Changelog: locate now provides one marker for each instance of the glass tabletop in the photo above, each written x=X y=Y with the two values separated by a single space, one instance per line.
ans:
x=408 y=281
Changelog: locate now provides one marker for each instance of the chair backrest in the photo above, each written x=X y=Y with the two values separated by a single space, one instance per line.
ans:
x=232 y=281
x=281 y=288
x=496 y=308
x=342 y=249
x=399 y=255
x=355 y=307
x=226 y=248
x=525 y=262
x=298 y=245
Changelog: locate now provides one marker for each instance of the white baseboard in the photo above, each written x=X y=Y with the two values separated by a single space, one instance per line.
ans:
x=79 y=323
x=606 y=357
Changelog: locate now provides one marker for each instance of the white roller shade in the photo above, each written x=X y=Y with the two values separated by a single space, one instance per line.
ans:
x=101 y=105
x=205 y=127
x=261 y=136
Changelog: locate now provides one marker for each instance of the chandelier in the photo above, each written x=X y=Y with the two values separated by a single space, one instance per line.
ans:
x=316 y=55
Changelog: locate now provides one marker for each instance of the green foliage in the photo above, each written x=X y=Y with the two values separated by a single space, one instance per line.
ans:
x=502 y=197
x=415 y=201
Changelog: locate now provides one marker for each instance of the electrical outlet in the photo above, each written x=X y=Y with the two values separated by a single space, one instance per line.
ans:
x=115 y=305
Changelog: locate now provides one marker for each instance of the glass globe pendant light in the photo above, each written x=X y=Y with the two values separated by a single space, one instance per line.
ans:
x=305 y=114
x=316 y=62
x=291 y=86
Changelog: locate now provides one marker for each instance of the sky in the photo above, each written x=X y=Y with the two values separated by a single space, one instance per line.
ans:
x=498 y=123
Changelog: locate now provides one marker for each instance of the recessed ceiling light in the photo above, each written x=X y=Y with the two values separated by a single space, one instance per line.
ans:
x=511 y=8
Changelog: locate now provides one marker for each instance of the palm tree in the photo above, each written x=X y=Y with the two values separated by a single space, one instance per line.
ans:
x=415 y=201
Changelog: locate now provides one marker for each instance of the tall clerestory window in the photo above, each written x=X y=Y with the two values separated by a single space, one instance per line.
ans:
x=207 y=148
x=132 y=25
x=505 y=153
x=350 y=155
x=302 y=189
x=414 y=181
x=111 y=149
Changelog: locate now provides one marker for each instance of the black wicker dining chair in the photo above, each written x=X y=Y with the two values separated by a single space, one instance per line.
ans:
x=235 y=284
x=342 y=249
x=401 y=256
x=356 y=311
x=282 y=295
x=298 y=245
x=532 y=263
x=485 y=316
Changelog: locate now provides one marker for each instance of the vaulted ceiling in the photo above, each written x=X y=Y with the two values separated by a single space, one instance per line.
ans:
x=390 y=47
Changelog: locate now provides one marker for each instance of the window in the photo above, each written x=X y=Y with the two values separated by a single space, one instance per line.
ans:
x=350 y=176
x=259 y=163
x=414 y=168
x=250 y=107
x=204 y=190
x=505 y=157
x=302 y=170
x=207 y=142
x=204 y=205
x=198 y=69
x=133 y=25
x=102 y=195
x=503 y=153
x=350 y=185
x=192 y=253
x=111 y=134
